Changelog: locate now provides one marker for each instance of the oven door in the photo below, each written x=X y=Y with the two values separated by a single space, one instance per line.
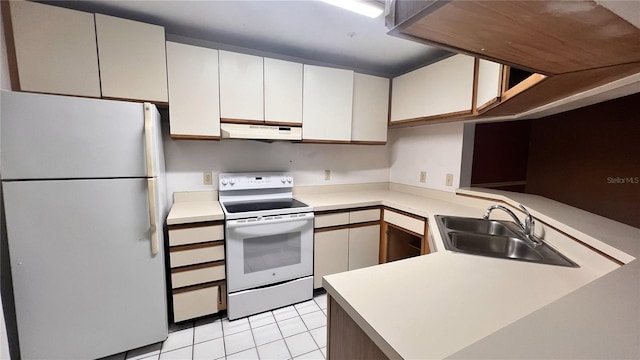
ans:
x=268 y=250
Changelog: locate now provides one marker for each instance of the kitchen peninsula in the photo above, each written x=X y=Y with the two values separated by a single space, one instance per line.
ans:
x=421 y=308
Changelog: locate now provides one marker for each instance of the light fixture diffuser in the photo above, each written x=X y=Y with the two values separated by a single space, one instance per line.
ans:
x=372 y=9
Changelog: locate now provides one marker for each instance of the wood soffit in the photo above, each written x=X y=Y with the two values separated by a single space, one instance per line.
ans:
x=533 y=35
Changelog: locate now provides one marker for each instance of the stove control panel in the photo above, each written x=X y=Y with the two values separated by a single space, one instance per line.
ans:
x=247 y=181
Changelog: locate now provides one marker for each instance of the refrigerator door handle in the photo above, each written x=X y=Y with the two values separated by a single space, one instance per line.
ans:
x=148 y=139
x=153 y=226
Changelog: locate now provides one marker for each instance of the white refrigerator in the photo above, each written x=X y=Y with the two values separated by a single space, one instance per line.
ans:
x=84 y=194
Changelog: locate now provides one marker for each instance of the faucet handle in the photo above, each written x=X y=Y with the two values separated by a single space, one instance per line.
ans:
x=529 y=223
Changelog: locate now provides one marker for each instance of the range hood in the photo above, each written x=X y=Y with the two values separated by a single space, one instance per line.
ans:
x=260 y=132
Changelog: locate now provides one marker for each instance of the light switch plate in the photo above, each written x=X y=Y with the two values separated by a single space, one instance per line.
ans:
x=423 y=176
x=327 y=174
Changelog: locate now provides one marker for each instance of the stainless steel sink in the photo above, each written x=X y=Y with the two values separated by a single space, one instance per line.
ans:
x=494 y=238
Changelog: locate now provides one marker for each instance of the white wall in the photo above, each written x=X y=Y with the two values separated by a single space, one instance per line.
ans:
x=436 y=149
x=187 y=159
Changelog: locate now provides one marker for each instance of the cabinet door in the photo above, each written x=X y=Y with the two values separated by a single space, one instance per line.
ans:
x=327 y=104
x=489 y=83
x=444 y=88
x=370 y=108
x=241 y=86
x=282 y=91
x=132 y=59
x=364 y=246
x=194 y=109
x=330 y=254
x=55 y=49
x=407 y=101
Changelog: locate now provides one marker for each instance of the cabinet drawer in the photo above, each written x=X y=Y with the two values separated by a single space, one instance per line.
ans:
x=335 y=219
x=360 y=216
x=197 y=275
x=196 y=254
x=195 y=303
x=404 y=221
x=196 y=234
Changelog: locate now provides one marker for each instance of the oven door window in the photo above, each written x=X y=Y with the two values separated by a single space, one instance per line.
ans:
x=271 y=252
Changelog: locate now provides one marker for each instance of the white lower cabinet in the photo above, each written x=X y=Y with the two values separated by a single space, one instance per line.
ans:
x=195 y=303
x=364 y=246
x=330 y=254
x=345 y=241
x=197 y=269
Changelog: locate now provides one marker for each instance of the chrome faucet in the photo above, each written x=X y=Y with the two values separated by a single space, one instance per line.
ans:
x=529 y=224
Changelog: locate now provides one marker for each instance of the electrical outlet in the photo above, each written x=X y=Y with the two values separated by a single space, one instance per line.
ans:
x=207 y=178
x=327 y=174
x=423 y=176
x=449 y=180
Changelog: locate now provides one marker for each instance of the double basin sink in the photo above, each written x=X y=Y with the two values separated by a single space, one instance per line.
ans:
x=494 y=238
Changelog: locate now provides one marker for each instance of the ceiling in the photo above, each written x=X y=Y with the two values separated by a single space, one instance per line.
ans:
x=301 y=29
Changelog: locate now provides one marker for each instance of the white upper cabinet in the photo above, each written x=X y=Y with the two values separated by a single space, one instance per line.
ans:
x=241 y=86
x=55 y=49
x=282 y=91
x=132 y=59
x=489 y=83
x=327 y=104
x=194 y=110
x=370 y=108
x=444 y=88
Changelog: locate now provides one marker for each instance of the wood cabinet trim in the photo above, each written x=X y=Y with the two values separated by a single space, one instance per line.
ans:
x=401 y=212
x=474 y=94
x=194 y=137
x=203 y=245
x=198 y=287
x=195 y=225
x=197 y=266
x=349 y=226
x=282 y=123
x=324 y=212
x=522 y=86
x=453 y=115
x=311 y=141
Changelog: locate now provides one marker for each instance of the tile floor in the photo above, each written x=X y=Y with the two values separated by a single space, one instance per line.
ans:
x=293 y=332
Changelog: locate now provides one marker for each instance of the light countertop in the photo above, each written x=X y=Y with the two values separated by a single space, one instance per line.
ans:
x=438 y=305
x=455 y=305
x=197 y=206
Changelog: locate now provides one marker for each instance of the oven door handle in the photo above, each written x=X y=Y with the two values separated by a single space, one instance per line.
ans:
x=232 y=224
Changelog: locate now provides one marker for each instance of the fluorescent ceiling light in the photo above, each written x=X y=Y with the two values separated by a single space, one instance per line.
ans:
x=372 y=9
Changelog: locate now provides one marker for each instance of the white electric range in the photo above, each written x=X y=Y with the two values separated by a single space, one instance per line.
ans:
x=269 y=242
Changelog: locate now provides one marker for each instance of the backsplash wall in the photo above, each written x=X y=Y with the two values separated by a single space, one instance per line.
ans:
x=187 y=159
x=435 y=149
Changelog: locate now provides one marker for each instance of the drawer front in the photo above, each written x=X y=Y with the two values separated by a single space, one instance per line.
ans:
x=360 y=216
x=335 y=219
x=197 y=276
x=195 y=303
x=196 y=255
x=403 y=221
x=196 y=234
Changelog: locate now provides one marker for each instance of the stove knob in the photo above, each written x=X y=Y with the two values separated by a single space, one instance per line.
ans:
x=232 y=181
x=283 y=180
x=289 y=179
x=223 y=181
